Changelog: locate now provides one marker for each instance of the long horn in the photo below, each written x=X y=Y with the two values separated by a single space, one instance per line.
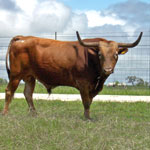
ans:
x=129 y=45
x=86 y=44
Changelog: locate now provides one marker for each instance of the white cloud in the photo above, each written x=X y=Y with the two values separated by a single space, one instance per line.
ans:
x=40 y=17
x=95 y=18
x=130 y=29
x=50 y=16
x=77 y=22
x=37 y=17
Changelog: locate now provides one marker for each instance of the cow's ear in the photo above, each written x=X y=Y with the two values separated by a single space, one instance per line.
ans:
x=122 y=50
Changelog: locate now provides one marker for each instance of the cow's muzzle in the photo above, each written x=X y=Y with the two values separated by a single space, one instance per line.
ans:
x=108 y=71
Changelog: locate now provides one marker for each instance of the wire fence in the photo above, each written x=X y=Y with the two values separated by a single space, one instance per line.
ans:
x=132 y=69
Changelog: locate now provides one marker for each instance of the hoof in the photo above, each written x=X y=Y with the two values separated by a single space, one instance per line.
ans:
x=86 y=115
x=32 y=112
x=5 y=112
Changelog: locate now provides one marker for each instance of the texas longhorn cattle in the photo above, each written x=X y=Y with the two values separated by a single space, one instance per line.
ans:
x=83 y=64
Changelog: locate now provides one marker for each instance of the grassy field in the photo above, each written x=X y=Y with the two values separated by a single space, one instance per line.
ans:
x=129 y=90
x=61 y=126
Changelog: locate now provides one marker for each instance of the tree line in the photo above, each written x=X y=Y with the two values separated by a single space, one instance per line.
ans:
x=136 y=81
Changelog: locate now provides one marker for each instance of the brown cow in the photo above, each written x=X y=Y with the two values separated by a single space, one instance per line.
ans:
x=84 y=65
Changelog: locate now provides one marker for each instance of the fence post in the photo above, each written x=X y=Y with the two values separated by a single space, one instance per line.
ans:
x=149 y=58
x=55 y=35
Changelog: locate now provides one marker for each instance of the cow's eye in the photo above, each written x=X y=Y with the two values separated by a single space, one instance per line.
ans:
x=116 y=56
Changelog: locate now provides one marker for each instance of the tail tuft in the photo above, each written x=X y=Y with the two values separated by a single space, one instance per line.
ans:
x=8 y=72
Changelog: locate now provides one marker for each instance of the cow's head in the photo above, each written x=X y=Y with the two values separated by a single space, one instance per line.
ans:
x=108 y=51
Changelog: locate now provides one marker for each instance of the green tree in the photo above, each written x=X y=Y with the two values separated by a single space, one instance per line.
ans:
x=140 y=82
x=131 y=79
x=146 y=83
x=116 y=83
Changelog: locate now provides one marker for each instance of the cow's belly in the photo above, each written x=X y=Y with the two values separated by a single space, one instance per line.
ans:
x=54 y=78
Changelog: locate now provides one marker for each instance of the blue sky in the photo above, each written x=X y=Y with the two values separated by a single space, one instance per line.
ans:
x=93 y=4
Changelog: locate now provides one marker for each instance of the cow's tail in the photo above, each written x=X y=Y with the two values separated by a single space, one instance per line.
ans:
x=7 y=55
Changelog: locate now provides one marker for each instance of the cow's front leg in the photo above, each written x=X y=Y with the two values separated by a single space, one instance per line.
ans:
x=86 y=100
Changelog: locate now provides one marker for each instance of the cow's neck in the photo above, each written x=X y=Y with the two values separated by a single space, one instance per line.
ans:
x=100 y=77
x=91 y=54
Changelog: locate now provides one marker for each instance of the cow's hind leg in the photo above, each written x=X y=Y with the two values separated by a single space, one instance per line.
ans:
x=86 y=100
x=11 y=88
x=28 y=92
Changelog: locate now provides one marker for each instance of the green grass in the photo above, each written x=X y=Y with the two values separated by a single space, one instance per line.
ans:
x=129 y=90
x=61 y=126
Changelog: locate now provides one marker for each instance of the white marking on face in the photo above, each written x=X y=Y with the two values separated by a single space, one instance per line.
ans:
x=22 y=41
